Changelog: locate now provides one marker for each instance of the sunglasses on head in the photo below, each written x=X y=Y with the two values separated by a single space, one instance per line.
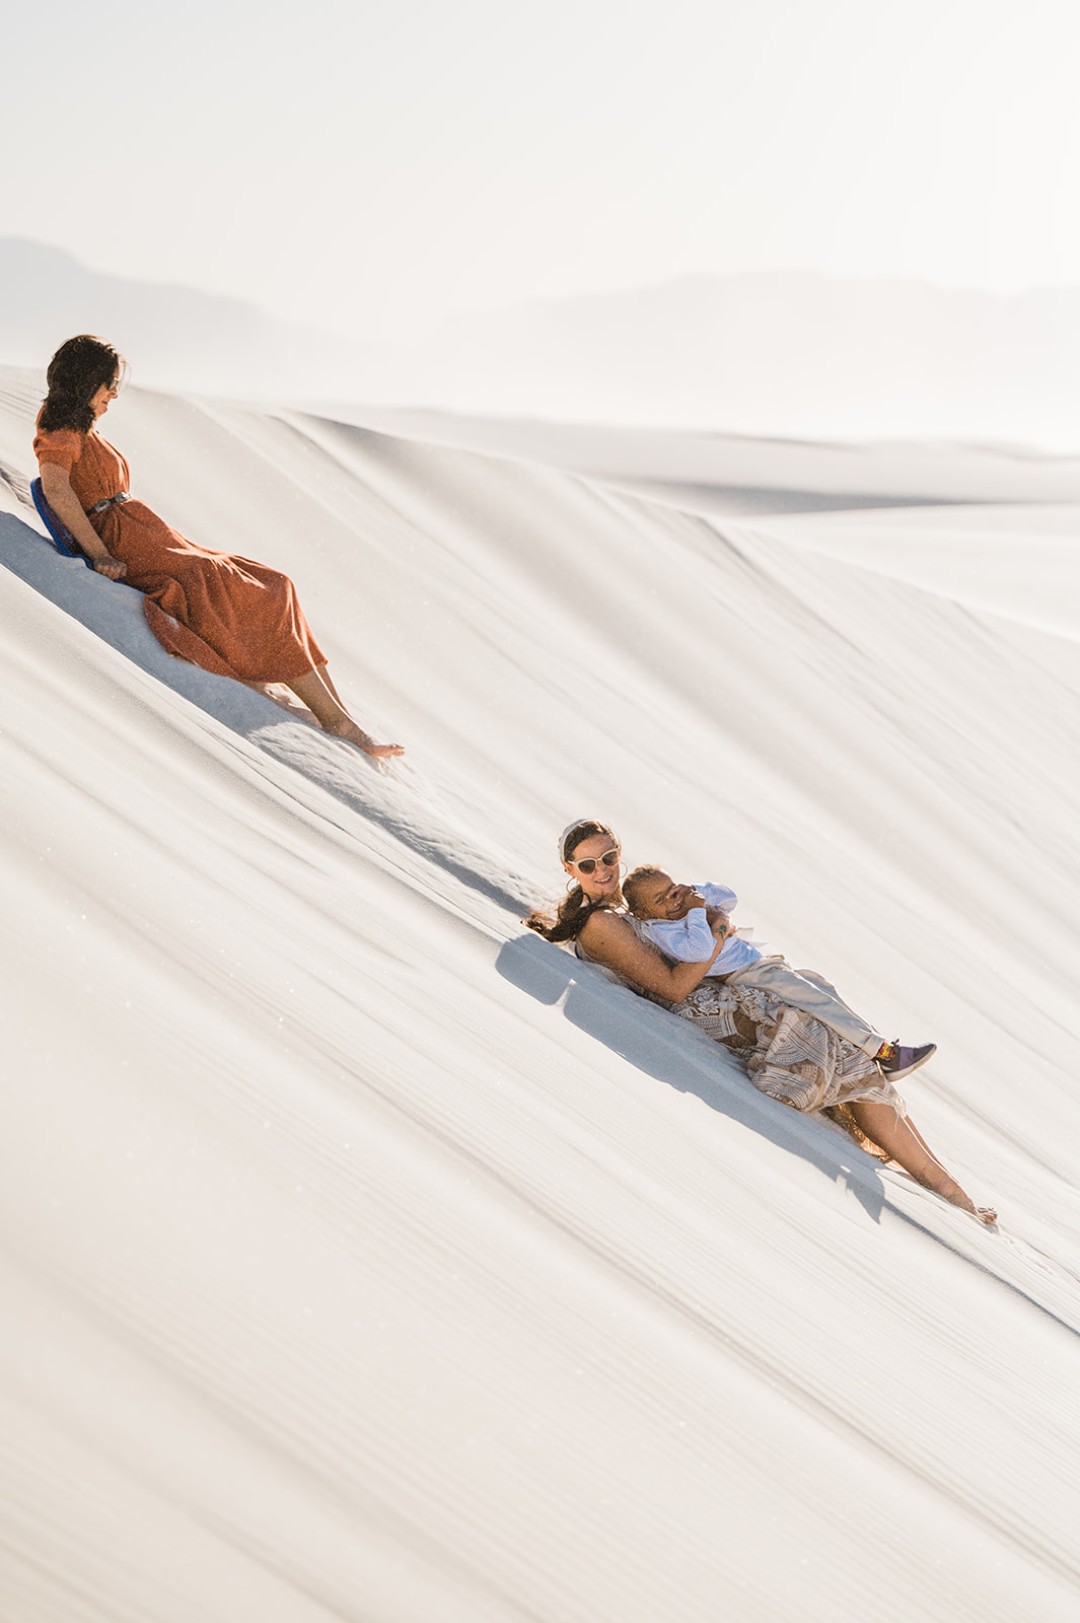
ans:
x=610 y=859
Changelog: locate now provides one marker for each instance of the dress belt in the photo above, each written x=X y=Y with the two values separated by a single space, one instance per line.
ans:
x=107 y=501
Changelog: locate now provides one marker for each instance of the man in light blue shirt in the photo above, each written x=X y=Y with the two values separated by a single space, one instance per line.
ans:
x=684 y=921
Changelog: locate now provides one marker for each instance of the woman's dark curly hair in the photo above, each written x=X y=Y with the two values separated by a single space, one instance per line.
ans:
x=76 y=372
x=574 y=910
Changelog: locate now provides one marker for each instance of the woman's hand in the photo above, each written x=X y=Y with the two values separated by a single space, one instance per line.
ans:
x=108 y=566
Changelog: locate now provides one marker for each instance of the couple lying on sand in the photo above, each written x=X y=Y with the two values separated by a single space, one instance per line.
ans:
x=801 y=1042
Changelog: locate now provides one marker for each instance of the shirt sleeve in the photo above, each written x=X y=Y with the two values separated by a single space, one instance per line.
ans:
x=62 y=447
x=721 y=896
x=688 y=940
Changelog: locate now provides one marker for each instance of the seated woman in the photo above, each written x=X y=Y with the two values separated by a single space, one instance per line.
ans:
x=222 y=612
x=789 y=1055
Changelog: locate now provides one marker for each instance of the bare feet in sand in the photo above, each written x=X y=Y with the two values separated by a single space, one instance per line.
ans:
x=363 y=741
x=981 y=1214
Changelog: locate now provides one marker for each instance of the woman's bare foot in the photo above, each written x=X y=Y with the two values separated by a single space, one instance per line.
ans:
x=311 y=689
x=952 y=1192
x=353 y=734
x=902 y=1142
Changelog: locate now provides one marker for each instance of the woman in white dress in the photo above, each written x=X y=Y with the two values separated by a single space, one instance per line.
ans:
x=789 y=1055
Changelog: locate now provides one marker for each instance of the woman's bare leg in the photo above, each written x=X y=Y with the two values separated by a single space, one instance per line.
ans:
x=903 y=1143
x=324 y=672
x=280 y=693
x=333 y=717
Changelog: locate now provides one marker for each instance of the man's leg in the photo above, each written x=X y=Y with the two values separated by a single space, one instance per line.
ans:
x=805 y=989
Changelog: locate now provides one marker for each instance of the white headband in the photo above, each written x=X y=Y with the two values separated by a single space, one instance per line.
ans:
x=579 y=822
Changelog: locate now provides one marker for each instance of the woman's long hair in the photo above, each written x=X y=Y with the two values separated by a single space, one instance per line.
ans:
x=76 y=372
x=575 y=909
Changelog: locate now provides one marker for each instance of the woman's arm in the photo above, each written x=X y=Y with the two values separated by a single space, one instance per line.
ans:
x=56 y=483
x=612 y=942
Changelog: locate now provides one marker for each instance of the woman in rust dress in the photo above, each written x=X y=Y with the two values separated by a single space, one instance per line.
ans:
x=227 y=614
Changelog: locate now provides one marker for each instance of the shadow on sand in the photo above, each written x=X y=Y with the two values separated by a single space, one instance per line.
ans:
x=666 y=1047
x=396 y=800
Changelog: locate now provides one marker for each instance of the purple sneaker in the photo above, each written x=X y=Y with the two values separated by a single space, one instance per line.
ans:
x=896 y=1060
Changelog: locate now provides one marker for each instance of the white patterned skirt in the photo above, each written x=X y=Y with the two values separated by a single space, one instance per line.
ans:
x=790 y=1056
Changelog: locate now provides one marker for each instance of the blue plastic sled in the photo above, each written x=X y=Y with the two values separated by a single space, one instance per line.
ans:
x=59 y=534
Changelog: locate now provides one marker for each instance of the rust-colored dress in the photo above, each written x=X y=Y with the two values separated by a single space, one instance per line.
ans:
x=227 y=614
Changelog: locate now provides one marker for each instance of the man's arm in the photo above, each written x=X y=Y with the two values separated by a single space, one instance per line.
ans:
x=721 y=897
x=720 y=901
x=688 y=940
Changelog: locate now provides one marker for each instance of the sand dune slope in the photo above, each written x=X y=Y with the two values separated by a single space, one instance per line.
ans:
x=365 y=1258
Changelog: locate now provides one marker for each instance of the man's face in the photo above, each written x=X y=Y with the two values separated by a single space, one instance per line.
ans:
x=659 y=897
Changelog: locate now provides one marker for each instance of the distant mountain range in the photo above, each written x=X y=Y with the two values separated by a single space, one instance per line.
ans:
x=782 y=352
x=175 y=337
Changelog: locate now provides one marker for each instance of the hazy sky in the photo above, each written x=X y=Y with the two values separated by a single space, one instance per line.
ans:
x=374 y=167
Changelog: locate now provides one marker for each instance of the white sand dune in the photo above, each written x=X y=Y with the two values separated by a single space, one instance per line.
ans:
x=366 y=1258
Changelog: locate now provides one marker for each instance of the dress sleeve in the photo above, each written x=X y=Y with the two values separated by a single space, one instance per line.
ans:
x=63 y=447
